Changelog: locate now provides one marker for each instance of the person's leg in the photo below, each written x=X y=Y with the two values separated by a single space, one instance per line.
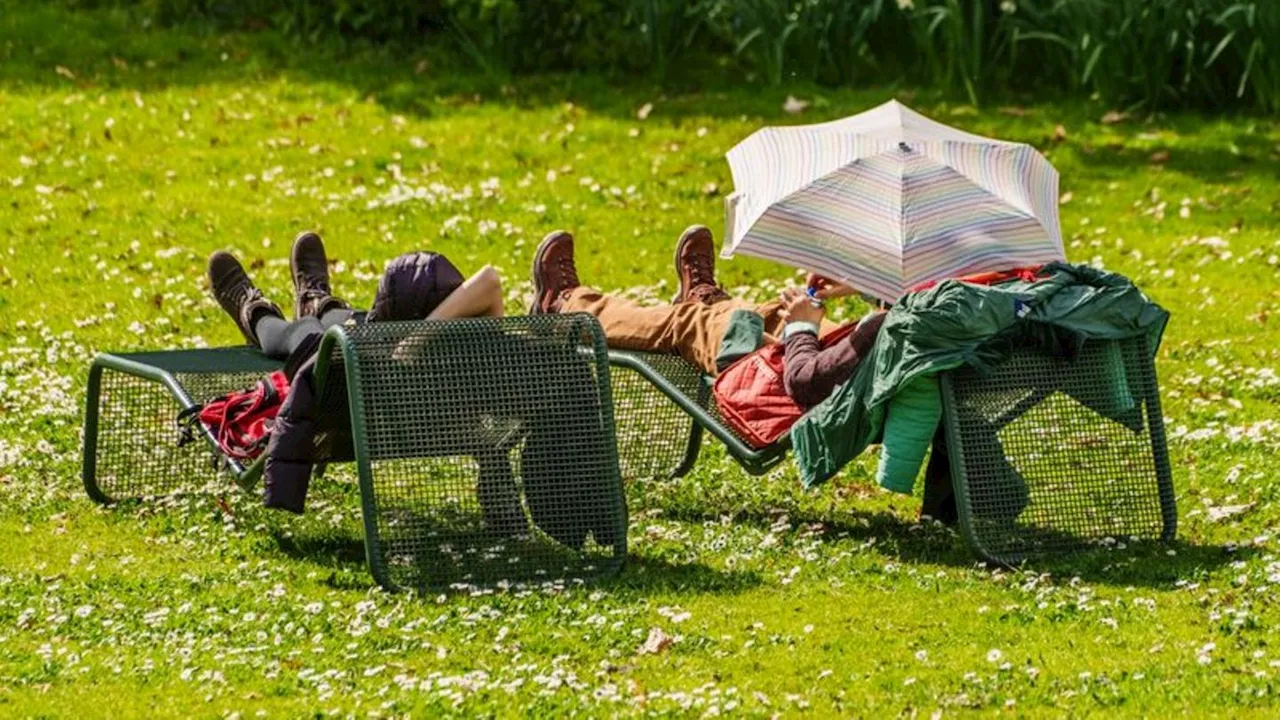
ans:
x=313 y=297
x=238 y=296
x=939 y=495
x=336 y=316
x=696 y=268
x=692 y=330
x=279 y=337
x=696 y=271
x=498 y=496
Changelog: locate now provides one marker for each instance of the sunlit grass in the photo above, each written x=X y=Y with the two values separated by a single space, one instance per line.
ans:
x=121 y=177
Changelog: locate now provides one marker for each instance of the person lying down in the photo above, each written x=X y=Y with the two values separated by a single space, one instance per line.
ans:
x=705 y=325
x=714 y=331
x=415 y=286
x=564 y=490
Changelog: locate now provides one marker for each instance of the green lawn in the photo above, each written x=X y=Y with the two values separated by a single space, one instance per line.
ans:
x=127 y=155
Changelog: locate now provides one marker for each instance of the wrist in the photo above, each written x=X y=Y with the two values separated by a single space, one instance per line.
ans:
x=799 y=326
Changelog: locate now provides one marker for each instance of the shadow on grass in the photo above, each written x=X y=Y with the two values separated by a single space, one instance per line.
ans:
x=51 y=48
x=343 y=555
x=47 y=46
x=1147 y=564
x=328 y=550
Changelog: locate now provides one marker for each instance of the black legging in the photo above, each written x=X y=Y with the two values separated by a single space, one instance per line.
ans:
x=279 y=337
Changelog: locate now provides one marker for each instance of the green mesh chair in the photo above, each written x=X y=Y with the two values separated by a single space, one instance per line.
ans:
x=1045 y=455
x=1048 y=455
x=485 y=448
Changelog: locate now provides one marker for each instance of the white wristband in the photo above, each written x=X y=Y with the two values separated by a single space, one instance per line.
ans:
x=798 y=327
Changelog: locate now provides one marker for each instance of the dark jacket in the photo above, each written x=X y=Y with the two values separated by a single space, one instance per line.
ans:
x=958 y=323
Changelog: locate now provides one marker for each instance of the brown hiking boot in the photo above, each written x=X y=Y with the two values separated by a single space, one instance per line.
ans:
x=310 y=268
x=554 y=273
x=237 y=295
x=696 y=267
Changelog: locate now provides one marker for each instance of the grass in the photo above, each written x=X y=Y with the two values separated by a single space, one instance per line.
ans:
x=128 y=154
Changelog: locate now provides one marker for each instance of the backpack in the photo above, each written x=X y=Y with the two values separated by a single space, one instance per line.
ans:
x=752 y=397
x=239 y=422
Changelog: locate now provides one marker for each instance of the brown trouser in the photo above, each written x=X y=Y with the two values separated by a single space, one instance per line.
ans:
x=693 y=330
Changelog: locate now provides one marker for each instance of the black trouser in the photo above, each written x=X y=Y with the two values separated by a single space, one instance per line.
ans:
x=279 y=337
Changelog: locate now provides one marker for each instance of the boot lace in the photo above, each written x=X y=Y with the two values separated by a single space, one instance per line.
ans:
x=707 y=294
x=568 y=273
x=701 y=270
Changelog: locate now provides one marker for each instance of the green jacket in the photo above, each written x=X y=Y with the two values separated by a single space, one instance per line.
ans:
x=944 y=327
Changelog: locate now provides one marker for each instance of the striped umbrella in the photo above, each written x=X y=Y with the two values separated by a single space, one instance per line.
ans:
x=889 y=199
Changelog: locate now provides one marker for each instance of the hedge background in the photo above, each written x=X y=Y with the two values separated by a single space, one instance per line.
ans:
x=1150 y=54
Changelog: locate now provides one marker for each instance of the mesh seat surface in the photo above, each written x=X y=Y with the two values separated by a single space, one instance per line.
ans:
x=1049 y=455
x=657 y=396
x=654 y=434
x=132 y=436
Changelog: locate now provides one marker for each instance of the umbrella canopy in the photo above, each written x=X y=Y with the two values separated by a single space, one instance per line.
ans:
x=888 y=199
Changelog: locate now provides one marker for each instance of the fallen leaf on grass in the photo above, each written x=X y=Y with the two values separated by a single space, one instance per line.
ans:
x=794 y=105
x=1113 y=117
x=64 y=72
x=1066 y=198
x=711 y=189
x=1059 y=133
x=1159 y=157
x=657 y=642
x=644 y=111
x=1222 y=512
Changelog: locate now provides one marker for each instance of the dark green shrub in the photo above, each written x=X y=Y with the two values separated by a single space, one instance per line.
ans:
x=1152 y=53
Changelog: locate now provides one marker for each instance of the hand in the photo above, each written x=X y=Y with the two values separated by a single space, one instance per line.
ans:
x=797 y=306
x=826 y=288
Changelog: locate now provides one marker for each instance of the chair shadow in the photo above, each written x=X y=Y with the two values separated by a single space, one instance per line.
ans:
x=328 y=550
x=1144 y=563
x=343 y=555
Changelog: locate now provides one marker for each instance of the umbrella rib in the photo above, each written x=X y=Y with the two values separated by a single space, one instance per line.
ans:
x=902 y=222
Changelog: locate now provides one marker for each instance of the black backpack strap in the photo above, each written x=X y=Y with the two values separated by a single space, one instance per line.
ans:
x=186 y=422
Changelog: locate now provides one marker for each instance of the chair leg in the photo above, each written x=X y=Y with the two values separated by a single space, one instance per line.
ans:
x=939 y=494
x=89 y=466
x=690 y=452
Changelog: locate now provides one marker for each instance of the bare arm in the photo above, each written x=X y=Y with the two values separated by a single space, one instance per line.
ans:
x=479 y=296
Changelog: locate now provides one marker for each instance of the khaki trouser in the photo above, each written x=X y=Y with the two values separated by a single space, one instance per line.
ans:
x=693 y=330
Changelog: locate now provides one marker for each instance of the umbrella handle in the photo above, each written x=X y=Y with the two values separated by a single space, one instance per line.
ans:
x=812 y=292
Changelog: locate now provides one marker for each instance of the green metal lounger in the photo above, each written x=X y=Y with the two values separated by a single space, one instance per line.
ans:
x=1045 y=455
x=655 y=433
x=443 y=420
